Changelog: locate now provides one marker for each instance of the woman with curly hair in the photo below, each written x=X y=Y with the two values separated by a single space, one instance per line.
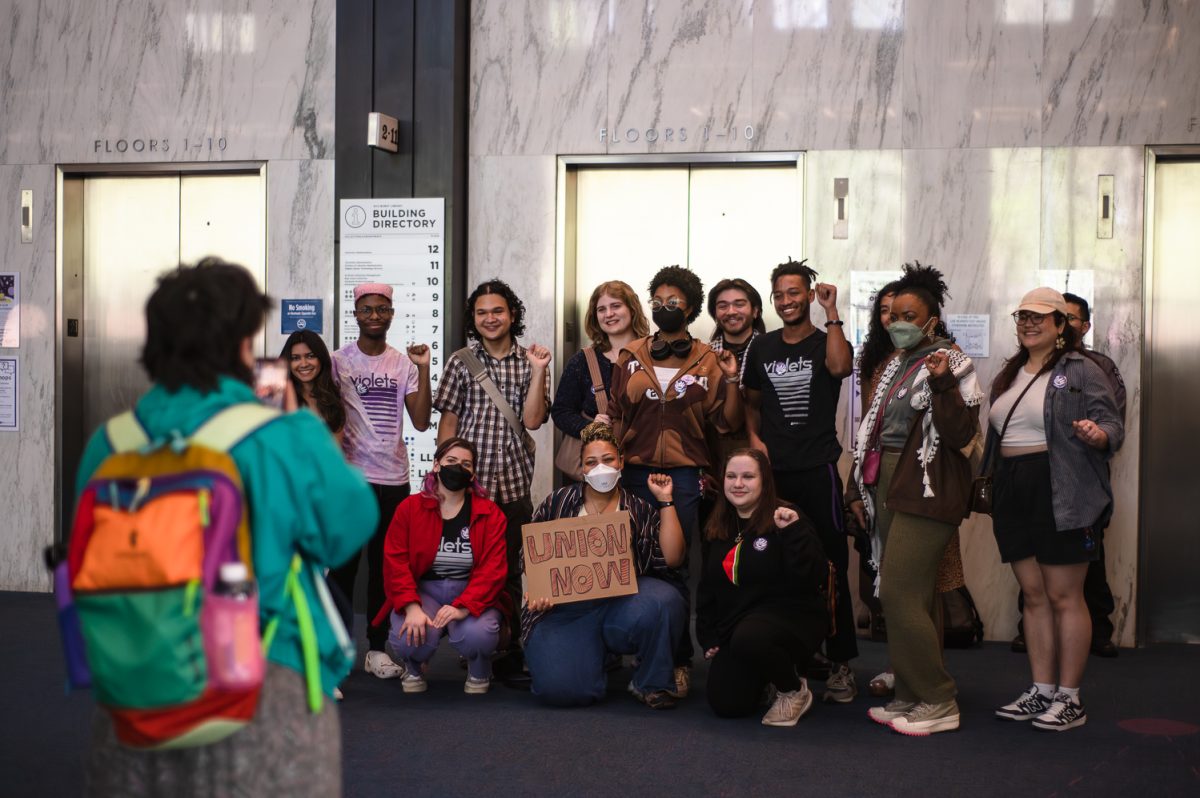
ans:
x=311 y=372
x=915 y=485
x=666 y=390
x=566 y=646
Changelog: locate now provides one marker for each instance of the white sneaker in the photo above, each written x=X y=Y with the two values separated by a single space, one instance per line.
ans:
x=475 y=686
x=1065 y=713
x=381 y=666
x=414 y=683
x=789 y=707
x=887 y=713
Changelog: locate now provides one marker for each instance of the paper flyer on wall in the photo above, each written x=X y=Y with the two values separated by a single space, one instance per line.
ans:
x=10 y=310
x=972 y=332
x=10 y=392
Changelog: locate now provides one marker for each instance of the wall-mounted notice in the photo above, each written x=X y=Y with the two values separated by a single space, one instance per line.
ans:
x=576 y=559
x=10 y=310
x=10 y=391
x=300 y=314
x=972 y=332
x=399 y=242
x=1080 y=282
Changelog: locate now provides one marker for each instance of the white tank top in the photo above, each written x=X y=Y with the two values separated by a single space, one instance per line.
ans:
x=1028 y=424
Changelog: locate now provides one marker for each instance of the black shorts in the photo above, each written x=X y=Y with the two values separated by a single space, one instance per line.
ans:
x=1023 y=515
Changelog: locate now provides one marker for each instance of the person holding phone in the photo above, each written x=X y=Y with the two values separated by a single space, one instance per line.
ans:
x=378 y=384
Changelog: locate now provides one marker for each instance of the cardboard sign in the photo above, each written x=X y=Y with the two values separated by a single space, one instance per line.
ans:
x=576 y=559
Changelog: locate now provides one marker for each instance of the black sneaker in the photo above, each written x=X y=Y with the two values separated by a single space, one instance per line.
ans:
x=1063 y=714
x=1028 y=706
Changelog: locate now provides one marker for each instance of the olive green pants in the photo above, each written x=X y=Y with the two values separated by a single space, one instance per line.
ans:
x=912 y=549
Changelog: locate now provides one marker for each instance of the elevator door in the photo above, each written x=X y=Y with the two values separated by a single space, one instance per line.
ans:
x=720 y=221
x=120 y=233
x=1169 y=589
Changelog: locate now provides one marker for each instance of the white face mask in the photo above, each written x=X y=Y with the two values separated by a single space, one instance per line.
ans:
x=603 y=477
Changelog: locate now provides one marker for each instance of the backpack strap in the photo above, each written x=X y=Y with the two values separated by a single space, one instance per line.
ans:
x=479 y=373
x=125 y=433
x=308 y=634
x=227 y=428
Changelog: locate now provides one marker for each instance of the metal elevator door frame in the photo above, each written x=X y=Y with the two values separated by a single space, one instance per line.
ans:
x=1168 y=607
x=192 y=196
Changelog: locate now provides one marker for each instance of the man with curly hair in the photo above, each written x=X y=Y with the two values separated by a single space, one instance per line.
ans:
x=494 y=319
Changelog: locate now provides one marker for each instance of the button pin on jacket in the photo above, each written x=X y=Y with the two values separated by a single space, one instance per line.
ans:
x=1060 y=381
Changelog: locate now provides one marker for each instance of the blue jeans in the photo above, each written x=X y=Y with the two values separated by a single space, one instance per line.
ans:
x=565 y=651
x=474 y=637
x=686 y=495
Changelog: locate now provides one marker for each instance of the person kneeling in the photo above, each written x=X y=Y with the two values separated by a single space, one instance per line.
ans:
x=444 y=568
x=763 y=600
x=566 y=645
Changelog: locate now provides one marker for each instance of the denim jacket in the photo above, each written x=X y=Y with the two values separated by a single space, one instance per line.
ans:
x=1079 y=474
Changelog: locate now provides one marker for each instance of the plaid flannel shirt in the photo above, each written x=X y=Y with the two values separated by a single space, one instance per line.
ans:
x=505 y=466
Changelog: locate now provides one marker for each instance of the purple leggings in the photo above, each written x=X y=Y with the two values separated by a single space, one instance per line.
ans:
x=474 y=637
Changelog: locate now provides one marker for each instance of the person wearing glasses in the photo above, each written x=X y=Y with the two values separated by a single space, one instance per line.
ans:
x=1055 y=424
x=378 y=383
x=667 y=390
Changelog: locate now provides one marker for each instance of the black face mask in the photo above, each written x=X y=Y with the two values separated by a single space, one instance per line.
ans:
x=668 y=319
x=662 y=350
x=454 y=477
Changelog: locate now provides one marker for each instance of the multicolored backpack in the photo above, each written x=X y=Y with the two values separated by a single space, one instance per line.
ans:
x=152 y=528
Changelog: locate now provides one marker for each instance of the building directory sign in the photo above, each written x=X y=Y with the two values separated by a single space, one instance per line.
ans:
x=400 y=242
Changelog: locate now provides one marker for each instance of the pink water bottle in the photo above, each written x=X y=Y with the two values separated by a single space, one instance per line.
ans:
x=233 y=645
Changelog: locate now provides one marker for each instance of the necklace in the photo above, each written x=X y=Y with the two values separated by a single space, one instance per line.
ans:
x=602 y=507
x=737 y=541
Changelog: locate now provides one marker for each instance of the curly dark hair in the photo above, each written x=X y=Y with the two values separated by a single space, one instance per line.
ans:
x=196 y=321
x=926 y=284
x=685 y=280
x=1008 y=372
x=515 y=307
x=325 y=390
x=737 y=284
x=799 y=268
x=877 y=346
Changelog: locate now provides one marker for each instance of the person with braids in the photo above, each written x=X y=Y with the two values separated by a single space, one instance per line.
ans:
x=793 y=379
x=667 y=389
x=566 y=646
x=915 y=487
x=311 y=371
x=1055 y=422
x=494 y=320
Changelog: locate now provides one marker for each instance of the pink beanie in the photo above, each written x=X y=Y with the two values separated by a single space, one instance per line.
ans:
x=383 y=289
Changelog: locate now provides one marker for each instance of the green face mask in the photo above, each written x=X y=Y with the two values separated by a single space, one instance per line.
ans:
x=905 y=335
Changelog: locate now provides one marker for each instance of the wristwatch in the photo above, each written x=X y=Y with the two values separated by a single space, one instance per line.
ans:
x=665 y=505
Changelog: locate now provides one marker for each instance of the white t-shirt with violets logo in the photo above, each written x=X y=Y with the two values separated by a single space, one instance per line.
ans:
x=373 y=391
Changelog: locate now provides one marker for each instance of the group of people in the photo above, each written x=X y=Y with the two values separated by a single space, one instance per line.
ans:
x=727 y=446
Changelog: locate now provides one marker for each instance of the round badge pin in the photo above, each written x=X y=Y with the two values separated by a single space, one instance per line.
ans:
x=680 y=387
x=760 y=544
x=1060 y=381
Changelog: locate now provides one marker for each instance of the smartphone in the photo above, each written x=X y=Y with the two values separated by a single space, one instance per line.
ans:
x=270 y=381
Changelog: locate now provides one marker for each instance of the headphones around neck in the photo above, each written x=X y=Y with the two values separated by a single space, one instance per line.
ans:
x=663 y=350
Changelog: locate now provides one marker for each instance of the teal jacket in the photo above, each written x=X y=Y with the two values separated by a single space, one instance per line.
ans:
x=303 y=498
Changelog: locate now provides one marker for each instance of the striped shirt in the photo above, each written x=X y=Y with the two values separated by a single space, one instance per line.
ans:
x=373 y=389
x=505 y=466
x=643 y=522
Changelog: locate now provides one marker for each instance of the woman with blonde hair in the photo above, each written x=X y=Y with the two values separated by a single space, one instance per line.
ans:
x=614 y=319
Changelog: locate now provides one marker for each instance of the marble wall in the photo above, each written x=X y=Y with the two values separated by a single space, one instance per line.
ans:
x=972 y=133
x=97 y=82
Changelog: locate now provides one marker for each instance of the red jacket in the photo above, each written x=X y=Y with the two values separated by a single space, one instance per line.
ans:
x=411 y=544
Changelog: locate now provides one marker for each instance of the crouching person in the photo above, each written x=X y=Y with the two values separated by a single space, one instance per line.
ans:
x=763 y=604
x=444 y=568
x=566 y=646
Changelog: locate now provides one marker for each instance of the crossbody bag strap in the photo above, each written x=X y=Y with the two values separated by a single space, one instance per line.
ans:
x=887 y=399
x=478 y=373
x=986 y=467
x=598 y=389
